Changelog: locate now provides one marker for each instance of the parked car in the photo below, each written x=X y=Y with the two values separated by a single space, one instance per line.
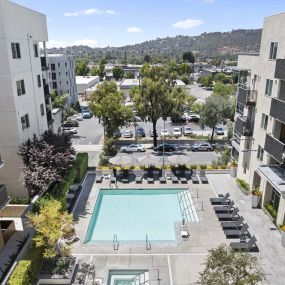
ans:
x=140 y=132
x=167 y=148
x=86 y=115
x=187 y=131
x=117 y=134
x=70 y=131
x=180 y=120
x=202 y=146
x=70 y=124
x=177 y=132
x=133 y=148
x=164 y=133
x=127 y=134
x=194 y=118
x=151 y=134
x=77 y=117
x=219 y=131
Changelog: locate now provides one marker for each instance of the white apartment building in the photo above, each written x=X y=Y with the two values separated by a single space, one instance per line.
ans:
x=259 y=133
x=23 y=110
x=62 y=76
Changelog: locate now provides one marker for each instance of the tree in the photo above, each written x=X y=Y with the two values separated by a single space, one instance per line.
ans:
x=147 y=58
x=214 y=112
x=216 y=61
x=129 y=75
x=118 y=73
x=107 y=104
x=226 y=267
x=188 y=56
x=197 y=107
x=224 y=90
x=99 y=70
x=206 y=81
x=82 y=68
x=185 y=79
x=51 y=224
x=184 y=69
x=221 y=77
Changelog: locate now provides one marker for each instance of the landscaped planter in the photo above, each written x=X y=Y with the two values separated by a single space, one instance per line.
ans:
x=255 y=201
x=268 y=214
x=58 y=270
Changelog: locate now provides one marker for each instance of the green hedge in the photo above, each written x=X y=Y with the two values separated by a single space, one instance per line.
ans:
x=81 y=164
x=271 y=210
x=26 y=270
x=243 y=184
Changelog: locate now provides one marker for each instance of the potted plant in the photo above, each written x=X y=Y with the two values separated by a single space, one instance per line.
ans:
x=255 y=197
x=233 y=168
x=282 y=230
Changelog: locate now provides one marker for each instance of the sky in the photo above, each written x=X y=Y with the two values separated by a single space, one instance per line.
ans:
x=101 y=23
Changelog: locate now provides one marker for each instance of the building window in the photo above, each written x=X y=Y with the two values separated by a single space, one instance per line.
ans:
x=273 y=50
x=275 y=198
x=67 y=82
x=53 y=76
x=60 y=92
x=20 y=87
x=52 y=66
x=260 y=152
x=240 y=108
x=39 y=81
x=58 y=64
x=36 y=52
x=268 y=87
x=25 y=122
x=264 y=121
x=59 y=82
x=59 y=74
x=54 y=85
x=66 y=73
x=16 y=53
x=67 y=91
x=65 y=64
x=42 y=109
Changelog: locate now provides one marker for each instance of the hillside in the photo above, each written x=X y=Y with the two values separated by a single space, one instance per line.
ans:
x=227 y=44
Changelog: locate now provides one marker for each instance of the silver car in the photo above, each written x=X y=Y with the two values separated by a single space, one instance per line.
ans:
x=127 y=134
x=202 y=147
x=133 y=148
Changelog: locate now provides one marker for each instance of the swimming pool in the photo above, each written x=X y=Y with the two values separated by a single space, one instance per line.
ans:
x=128 y=277
x=133 y=214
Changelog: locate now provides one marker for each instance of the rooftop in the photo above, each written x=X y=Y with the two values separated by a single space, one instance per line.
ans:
x=130 y=82
x=86 y=79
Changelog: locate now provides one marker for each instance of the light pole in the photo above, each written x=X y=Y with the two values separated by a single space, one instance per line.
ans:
x=163 y=147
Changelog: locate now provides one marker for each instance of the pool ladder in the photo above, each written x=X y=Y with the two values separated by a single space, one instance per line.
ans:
x=115 y=243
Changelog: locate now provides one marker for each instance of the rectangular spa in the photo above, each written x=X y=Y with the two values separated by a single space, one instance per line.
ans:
x=131 y=214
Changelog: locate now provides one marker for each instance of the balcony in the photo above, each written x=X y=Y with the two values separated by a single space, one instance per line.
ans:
x=275 y=148
x=277 y=110
x=4 y=199
x=49 y=117
x=44 y=63
x=46 y=91
x=280 y=69
x=243 y=126
x=246 y=96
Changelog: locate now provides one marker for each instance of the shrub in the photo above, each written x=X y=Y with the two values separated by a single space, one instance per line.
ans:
x=19 y=200
x=271 y=210
x=194 y=166
x=81 y=164
x=243 y=184
x=203 y=166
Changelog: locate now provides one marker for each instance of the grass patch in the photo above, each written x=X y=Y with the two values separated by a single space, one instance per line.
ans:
x=271 y=210
x=243 y=185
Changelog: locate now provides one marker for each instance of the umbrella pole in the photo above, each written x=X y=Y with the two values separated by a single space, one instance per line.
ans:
x=163 y=144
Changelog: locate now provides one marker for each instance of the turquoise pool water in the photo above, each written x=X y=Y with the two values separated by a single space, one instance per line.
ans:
x=133 y=214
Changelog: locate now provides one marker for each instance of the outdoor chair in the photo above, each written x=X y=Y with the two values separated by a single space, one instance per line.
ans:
x=125 y=176
x=233 y=216
x=233 y=225
x=150 y=176
x=99 y=176
x=221 y=200
x=247 y=246
x=185 y=175
x=203 y=176
x=194 y=177
x=237 y=233
x=226 y=208
x=139 y=176
x=162 y=178
x=174 y=176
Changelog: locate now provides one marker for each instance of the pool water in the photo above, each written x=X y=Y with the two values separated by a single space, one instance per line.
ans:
x=133 y=214
x=128 y=277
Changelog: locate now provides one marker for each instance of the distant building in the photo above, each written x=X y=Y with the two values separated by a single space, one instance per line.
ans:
x=126 y=85
x=83 y=83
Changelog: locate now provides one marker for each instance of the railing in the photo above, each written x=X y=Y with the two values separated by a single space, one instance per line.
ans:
x=277 y=109
x=246 y=96
x=280 y=69
x=243 y=126
x=275 y=148
x=115 y=243
x=44 y=63
x=147 y=243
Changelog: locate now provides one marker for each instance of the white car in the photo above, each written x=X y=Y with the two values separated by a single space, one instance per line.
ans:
x=127 y=134
x=177 y=132
x=133 y=148
x=187 y=131
x=77 y=117
x=164 y=133
x=70 y=131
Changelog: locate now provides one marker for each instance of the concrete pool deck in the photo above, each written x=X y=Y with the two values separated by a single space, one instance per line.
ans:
x=179 y=264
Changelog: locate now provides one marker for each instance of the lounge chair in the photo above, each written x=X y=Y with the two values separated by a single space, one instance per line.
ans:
x=174 y=177
x=233 y=225
x=149 y=175
x=251 y=244
x=162 y=177
x=139 y=177
x=99 y=177
x=194 y=176
x=233 y=216
x=237 y=233
x=221 y=200
x=226 y=208
x=125 y=176
x=185 y=175
x=203 y=176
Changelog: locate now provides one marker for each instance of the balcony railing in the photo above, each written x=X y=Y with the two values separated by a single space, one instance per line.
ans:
x=246 y=96
x=277 y=109
x=243 y=126
x=4 y=199
x=275 y=148
x=49 y=117
x=46 y=91
x=280 y=69
x=44 y=63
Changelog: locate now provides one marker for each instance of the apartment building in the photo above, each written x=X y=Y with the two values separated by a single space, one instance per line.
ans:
x=259 y=133
x=25 y=107
x=62 y=76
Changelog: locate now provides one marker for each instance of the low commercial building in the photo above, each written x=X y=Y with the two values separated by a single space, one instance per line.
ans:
x=126 y=85
x=83 y=83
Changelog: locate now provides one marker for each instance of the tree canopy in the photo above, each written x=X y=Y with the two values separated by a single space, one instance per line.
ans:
x=188 y=56
x=82 y=68
x=118 y=72
x=224 y=90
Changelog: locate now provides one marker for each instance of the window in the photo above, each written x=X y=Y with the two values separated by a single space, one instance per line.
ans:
x=25 y=122
x=273 y=50
x=54 y=85
x=275 y=198
x=20 y=87
x=59 y=82
x=36 y=52
x=260 y=152
x=66 y=73
x=60 y=92
x=268 y=87
x=67 y=91
x=52 y=66
x=59 y=74
x=39 y=81
x=53 y=76
x=58 y=64
x=16 y=53
x=65 y=64
x=240 y=108
x=264 y=121
x=42 y=109
x=67 y=82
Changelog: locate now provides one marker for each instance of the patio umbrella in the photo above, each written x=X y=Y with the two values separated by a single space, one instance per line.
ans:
x=178 y=159
x=121 y=160
x=148 y=160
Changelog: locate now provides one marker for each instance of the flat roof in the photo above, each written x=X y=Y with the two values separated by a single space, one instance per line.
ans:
x=86 y=79
x=130 y=82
